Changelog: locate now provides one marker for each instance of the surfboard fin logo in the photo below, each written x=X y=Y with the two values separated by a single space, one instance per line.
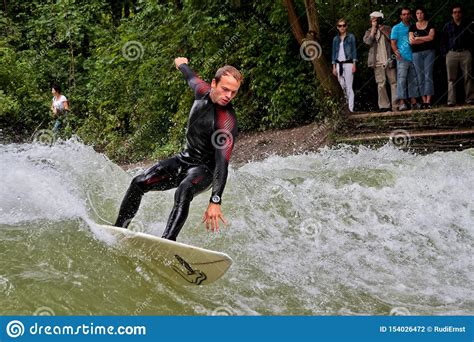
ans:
x=189 y=274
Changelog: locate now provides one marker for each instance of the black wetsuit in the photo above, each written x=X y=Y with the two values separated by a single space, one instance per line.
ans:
x=210 y=138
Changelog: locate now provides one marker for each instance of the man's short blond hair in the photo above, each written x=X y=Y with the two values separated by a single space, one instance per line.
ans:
x=228 y=70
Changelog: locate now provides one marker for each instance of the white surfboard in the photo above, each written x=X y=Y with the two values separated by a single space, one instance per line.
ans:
x=184 y=264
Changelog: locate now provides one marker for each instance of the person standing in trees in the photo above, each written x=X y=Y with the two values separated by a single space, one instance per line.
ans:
x=59 y=108
x=344 y=58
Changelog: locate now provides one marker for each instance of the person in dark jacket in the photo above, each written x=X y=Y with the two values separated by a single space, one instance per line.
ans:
x=210 y=139
x=457 y=45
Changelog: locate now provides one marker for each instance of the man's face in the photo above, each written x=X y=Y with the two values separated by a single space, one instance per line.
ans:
x=405 y=16
x=457 y=14
x=224 y=91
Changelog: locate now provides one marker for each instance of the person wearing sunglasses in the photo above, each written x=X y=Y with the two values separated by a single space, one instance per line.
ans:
x=344 y=58
x=456 y=44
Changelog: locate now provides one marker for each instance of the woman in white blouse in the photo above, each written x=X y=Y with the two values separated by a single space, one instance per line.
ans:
x=59 y=107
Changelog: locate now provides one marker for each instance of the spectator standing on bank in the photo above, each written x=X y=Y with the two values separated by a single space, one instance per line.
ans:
x=457 y=44
x=421 y=36
x=407 y=83
x=344 y=58
x=380 y=59
x=59 y=107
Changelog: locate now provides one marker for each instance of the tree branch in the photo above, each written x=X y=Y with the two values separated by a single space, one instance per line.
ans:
x=293 y=20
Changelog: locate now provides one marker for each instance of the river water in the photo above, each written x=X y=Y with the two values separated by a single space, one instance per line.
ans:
x=345 y=231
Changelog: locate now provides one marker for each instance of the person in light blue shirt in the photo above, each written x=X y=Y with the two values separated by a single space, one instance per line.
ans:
x=407 y=82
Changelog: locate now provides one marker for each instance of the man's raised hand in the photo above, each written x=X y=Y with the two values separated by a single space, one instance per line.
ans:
x=180 y=60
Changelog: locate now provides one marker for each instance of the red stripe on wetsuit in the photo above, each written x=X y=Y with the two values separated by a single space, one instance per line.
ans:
x=226 y=122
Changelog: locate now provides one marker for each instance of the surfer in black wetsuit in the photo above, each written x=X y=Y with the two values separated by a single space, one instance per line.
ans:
x=210 y=138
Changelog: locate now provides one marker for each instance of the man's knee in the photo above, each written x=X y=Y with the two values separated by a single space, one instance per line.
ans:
x=184 y=193
x=138 y=184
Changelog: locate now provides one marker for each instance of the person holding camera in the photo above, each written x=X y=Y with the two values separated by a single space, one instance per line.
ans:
x=377 y=37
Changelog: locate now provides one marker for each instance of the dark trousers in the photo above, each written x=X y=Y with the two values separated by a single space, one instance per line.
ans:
x=190 y=180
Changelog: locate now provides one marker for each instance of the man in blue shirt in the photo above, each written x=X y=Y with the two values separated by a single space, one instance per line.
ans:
x=407 y=82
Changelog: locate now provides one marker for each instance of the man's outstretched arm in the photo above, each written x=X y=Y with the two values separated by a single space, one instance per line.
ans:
x=223 y=140
x=199 y=87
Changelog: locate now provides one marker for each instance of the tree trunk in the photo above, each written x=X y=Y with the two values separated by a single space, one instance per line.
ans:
x=116 y=8
x=293 y=21
x=320 y=65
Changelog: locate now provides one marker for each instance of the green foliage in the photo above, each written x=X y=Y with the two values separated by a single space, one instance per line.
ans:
x=135 y=106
